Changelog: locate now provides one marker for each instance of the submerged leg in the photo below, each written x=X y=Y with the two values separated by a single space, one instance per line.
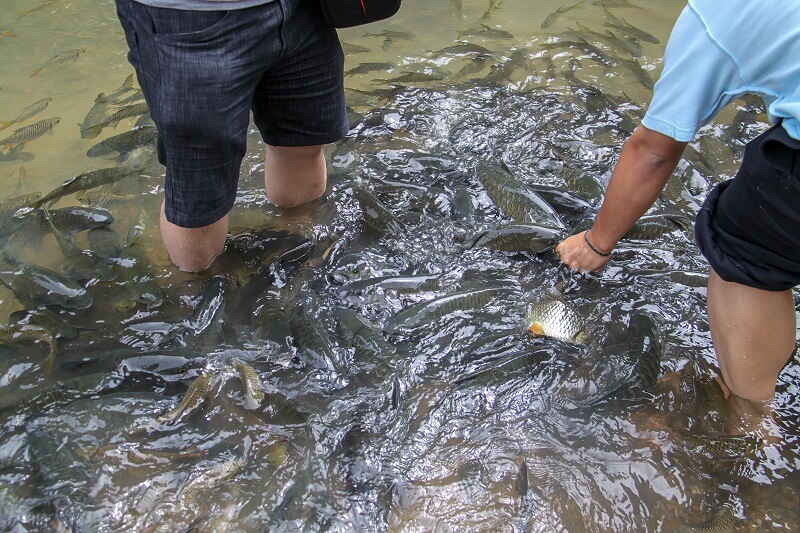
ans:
x=753 y=331
x=193 y=249
x=294 y=175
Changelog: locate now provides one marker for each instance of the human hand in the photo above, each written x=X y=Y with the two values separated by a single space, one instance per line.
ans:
x=574 y=252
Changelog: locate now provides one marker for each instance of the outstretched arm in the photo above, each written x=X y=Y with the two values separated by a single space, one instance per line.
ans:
x=645 y=164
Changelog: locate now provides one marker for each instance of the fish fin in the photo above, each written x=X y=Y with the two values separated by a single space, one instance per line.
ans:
x=48 y=363
x=4 y=124
x=536 y=329
x=91 y=133
x=35 y=72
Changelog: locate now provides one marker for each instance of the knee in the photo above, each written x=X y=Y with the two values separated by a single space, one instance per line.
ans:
x=294 y=175
x=750 y=386
x=195 y=260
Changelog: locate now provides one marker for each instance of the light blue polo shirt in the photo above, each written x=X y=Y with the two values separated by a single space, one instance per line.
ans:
x=719 y=50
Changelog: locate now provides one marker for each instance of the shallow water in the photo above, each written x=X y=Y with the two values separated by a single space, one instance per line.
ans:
x=456 y=418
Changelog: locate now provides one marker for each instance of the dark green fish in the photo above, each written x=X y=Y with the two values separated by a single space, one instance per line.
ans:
x=515 y=198
x=723 y=447
x=722 y=522
x=552 y=17
x=29 y=133
x=49 y=320
x=75 y=219
x=371 y=348
x=104 y=241
x=412 y=77
x=135 y=97
x=516 y=366
x=425 y=312
x=563 y=202
x=350 y=49
x=81 y=264
x=583 y=183
x=473 y=66
x=607 y=38
x=503 y=71
x=400 y=284
x=651 y=227
x=21 y=333
x=103 y=198
x=638 y=72
x=82 y=182
x=9 y=206
x=97 y=113
x=614 y=3
x=133 y=110
x=591 y=51
x=465 y=49
x=41 y=285
x=482 y=30
x=519 y=238
x=124 y=142
x=364 y=68
x=376 y=215
x=392 y=34
x=622 y=25
x=128 y=84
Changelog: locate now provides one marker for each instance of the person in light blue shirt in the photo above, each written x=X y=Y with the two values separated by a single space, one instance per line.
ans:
x=748 y=227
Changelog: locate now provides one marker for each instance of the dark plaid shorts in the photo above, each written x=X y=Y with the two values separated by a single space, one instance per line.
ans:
x=202 y=72
x=749 y=227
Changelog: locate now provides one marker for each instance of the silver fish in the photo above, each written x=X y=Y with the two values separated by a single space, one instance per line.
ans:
x=553 y=317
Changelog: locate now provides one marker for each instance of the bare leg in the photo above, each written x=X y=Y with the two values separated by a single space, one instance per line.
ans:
x=193 y=249
x=294 y=175
x=754 y=336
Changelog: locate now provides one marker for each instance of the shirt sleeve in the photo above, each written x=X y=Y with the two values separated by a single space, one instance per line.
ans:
x=698 y=79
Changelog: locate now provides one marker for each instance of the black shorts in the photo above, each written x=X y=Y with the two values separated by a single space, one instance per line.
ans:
x=202 y=72
x=749 y=227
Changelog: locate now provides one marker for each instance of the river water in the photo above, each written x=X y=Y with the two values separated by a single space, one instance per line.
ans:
x=402 y=390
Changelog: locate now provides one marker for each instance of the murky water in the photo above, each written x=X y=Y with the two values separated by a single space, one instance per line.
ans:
x=402 y=390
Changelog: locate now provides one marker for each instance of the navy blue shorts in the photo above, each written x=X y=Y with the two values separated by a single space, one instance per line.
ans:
x=202 y=72
x=749 y=227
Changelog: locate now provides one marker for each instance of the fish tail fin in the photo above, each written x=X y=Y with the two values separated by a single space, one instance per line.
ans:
x=35 y=72
x=4 y=124
x=47 y=364
x=49 y=217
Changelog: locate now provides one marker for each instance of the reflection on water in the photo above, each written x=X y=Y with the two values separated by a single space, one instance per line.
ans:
x=364 y=362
